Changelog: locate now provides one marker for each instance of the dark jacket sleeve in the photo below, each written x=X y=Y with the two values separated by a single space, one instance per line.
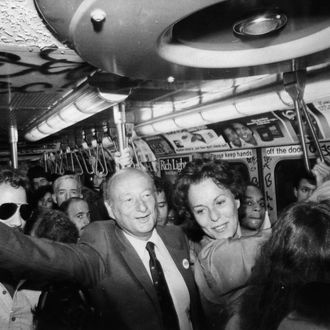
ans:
x=36 y=258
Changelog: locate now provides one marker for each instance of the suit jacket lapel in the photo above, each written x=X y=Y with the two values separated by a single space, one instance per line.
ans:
x=179 y=254
x=135 y=265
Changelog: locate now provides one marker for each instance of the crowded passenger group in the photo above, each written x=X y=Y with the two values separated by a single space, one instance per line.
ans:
x=142 y=253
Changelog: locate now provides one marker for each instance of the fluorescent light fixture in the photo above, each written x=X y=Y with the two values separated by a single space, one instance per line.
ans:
x=72 y=114
x=113 y=97
x=164 y=126
x=34 y=135
x=145 y=114
x=147 y=130
x=219 y=112
x=189 y=120
x=261 y=103
x=87 y=103
x=188 y=103
x=162 y=109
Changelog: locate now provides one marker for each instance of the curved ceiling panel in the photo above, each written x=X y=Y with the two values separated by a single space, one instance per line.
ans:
x=191 y=39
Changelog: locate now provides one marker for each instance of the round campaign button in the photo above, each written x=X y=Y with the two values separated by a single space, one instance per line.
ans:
x=185 y=263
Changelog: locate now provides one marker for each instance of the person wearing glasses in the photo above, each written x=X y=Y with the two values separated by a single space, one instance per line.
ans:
x=15 y=302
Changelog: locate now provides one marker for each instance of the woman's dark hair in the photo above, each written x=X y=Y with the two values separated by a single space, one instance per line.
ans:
x=223 y=175
x=56 y=225
x=297 y=253
x=38 y=194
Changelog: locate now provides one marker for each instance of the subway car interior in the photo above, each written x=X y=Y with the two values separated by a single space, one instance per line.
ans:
x=243 y=81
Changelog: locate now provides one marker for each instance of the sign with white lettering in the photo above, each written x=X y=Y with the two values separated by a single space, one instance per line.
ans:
x=172 y=166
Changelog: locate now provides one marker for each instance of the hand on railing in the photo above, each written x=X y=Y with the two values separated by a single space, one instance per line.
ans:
x=123 y=159
x=321 y=170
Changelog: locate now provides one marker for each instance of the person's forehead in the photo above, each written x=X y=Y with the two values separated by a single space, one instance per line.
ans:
x=126 y=178
x=9 y=194
x=161 y=196
x=68 y=183
x=229 y=130
x=39 y=178
x=47 y=195
x=305 y=183
x=129 y=182
x=78 y=206
x=252 y=192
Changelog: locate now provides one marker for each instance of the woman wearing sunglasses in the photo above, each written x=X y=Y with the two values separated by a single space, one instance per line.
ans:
x=15 y=302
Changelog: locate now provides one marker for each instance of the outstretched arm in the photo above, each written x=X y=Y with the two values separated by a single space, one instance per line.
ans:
x=43 y=260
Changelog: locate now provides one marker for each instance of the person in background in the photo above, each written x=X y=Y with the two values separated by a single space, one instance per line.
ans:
x=65 y=187
x=56 y=226
x=41 y=201
x=232 y=137
x=252 y=211
x=77 y=210
x=38 y=177
x=295 y=257
x=304 y=185
x=207 y=195
x=164 y=205
x=112 y=261
x=16 y=302
x=61 y=306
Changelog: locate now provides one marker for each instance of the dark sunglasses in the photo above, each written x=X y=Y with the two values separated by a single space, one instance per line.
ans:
x=9 y=209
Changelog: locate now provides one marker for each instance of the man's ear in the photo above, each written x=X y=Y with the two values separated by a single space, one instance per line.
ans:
x=54 y=198
x=295 y=192
x=109 y=209
x=238 y=203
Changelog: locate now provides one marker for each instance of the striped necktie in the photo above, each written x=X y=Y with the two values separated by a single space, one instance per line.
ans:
x=170 y=317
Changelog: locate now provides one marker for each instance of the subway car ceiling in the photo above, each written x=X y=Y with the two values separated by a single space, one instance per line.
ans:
x=179 y=71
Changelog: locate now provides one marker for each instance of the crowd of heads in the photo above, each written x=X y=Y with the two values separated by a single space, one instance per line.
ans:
x=34 y=204
x=211 y=200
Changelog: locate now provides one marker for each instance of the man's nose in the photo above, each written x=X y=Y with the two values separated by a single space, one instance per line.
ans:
x=141 y=205
x=16 y=220
x=86 y=220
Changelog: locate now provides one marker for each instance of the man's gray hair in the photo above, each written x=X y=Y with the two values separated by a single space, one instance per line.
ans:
x=62 y=178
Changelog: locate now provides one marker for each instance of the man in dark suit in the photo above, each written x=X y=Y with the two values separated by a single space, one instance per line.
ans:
x=111 y=262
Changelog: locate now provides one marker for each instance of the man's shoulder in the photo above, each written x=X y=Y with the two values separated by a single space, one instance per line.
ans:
x=170 y=230
x=97 y=228
x=172 y=235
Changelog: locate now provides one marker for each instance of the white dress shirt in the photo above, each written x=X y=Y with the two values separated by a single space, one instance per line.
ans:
x=174 y=279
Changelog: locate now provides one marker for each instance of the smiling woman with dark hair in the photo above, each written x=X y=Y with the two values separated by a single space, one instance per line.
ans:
x=207 y=196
